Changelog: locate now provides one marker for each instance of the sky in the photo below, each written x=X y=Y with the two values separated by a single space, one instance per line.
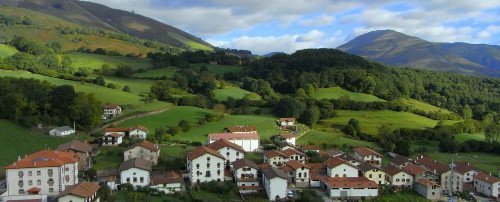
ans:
x=264 y=26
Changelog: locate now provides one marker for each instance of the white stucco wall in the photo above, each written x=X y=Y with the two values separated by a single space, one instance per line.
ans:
x=248 y=145
x=142 y=153
x=137 y=174
x=401 y=179
x=275 y=187
x=338 y=192
x=342 y=170
x=487 y=188
x=216 y=169
x=231 y=154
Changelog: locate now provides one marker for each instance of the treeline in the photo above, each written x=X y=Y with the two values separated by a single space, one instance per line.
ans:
x=30 y=101
x=321 y=68
x=162 y=60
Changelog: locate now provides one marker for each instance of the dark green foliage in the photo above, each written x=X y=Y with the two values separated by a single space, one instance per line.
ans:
x=314 y=157
x=126 y=89
x=218 y=187
x=99 y=80
x=289 y=107
x=450 y=146
x=185 y=125
x=124 y=71
x=111 y=85
x=310 y=116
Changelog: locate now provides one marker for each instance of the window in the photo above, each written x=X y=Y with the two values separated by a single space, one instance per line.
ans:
x=227 y=153
x=50 y=181
x=433 y=193
x=397 y=179
x=51 y=190
x=218 y=173
x=134 y=179
x=218 y=165
x=305 y=174
x=379 y=175
x=66 y=169
x=370 y=176
x=50 y=172
x=20 y=183
x=237 y=153
x=197 y=165
x=21 y=191
x=141 y=179
x=208 y=165
x=208 y=159
x=134 y=173
x=300 y=174
x=207 y=174
x=30 y=183
x=67 y=178
x=336 y=175
x=128 y=179
x=39 y=182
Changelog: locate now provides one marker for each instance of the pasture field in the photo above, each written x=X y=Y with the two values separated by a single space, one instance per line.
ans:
x=95 y=61
x=463 y=137
x=334 y=138
x=137 y=86
x=156 y=73
x=338 y=92
x=370 y=121
x=234 y=92
x=6 y=50
x=424 y=106
x=217 y=69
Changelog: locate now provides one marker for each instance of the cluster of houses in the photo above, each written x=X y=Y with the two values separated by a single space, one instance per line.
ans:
x=342 y=175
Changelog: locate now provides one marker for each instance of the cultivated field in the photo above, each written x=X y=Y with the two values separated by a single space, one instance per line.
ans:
x=337 y=92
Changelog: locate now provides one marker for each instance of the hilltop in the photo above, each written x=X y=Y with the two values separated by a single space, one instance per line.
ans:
x=395 y=48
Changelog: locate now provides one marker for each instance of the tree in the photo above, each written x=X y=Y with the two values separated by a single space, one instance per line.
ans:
x=160 y=132
x=185 y=125
x=447 y=145
x=90 y=174
x=99 y=80
x=124 y=71
x=387 y=138
x=289 y=107
x=492 y=132
x=467 y=112
x=126 y=89
x=111 y=85
x=310 y=116
x=220 y=109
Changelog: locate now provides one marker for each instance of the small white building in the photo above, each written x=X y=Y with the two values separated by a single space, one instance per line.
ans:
x=310 y=148
x=368 y=155
x=110 y=111
x=246 y=175
x=249 y=141
x=136 y=172
x=428 y=189
x=349 y=187
x=287 y=121
x=298 y=173
x=275 y=183
x=288 y=138
x=487 y=184
x=275 y=158
x=204 y=165
x=398 y=178
x=62 y=131
x=169 y=183
x=229 y=150
x=137 y=132
x=145 y=150
x=82 y=192
x=294 y=154
x=112 y=139
x=337 y=167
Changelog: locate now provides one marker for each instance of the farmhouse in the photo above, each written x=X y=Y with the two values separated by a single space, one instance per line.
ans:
x=298 y=173
x=372 y=173
x=245 y=174
x=112 y=139
x=466 y=170
x=448 y=182
x=45 y=172
x=81 y=192
x=204 y=165
x=399 y=161
x=249 y=141
x=398 y=178
x=331 y=153
x=82 y=149
x=110 y=111
x=240 y=129
x=275 y=183
x=275 y=158
x=62 y=131
x=487 y=184
x=229 y=150
x=109 y=178
x=352 y=187
x=169 y=183
x=428 y=189
x=368 y=155
x=293 y=154
x=287 y=123
x=318 y=170
x=138 y=132
x=288 y=138
x=337 y=167
x=136 y=172
x=418 y=172
x=144 y=150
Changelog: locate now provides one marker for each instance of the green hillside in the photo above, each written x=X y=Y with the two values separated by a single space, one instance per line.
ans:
x=156 y=73
x=334 y=138
x=421 y=105
x=218 y=69
x=94 y=61
x=6 y=50
x=338 y=92
x=234 y=92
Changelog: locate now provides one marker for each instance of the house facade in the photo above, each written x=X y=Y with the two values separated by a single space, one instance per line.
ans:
x=398 y=178
x=110 y=111
x=136 y=132
x=136 y=172
x=298 y=173
x=249 y=141
x=294 y=154
x=229 y=150
x=288 y=138
x=204 y=165
x=45 y=172
x=246 y=175
x=428 y=189
x=275 y=183
x=337 y=167
x=487 y=184
x=81 y=192
x=144 y=150
x=112 y=139
x=275 y=158
x=169 y=183
x=349 y=187
x=368 y=155
x=62 y=131
x=373 y=173
x=466 y=170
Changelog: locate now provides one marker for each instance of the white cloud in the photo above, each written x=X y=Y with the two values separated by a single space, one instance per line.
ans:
x=318 y=21
x=313 y=35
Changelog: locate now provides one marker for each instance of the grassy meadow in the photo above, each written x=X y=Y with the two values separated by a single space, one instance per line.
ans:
x=421 y=105
x=137 y=86
x=6 y=50
x=234 y=92
x=337 y=92
x=156 y=73
x=109 y=158
x=335 y=138
x=95 y=61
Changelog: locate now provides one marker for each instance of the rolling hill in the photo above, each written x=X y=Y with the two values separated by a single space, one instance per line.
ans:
x=100 y=16
x=395 y=48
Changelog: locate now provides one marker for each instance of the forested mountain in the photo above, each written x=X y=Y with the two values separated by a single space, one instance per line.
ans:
x=99 y=16
x=395 y=48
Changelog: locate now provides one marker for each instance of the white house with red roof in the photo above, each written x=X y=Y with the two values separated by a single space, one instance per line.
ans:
x=294 y=154
x=112 y=139
x=246 y=175
x=298 y=173
x=428 y=189
x=351 y=187
x=204 y=165
x=110 y=111
x=249 y=141
x=398 y=178
x=82 y=192
x=139 y=132
x=487 y=184
x=45 y=172
x=288 y=138
x=145 y=150
x=337 y=167
x=368 y=155
x=275 y=158
x=229 y=150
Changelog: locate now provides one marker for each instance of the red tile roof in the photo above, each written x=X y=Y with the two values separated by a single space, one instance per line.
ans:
x=290 y=152
x=463 y=167
x=76 y=146
x=222 y=143
x=82 y=189
x=240 y=163
x=334 y=162
x=413 y=169
x=128 y=129
x=264 y=166
x=168 y=178
x=274 y=153
x=44 y=158
x=433 y=165
x=426 y=182
x=233 y=136
x=200 y=151
x=349 y=182
x=392 y=170
x=287 y=119
x=293 y=165
x=365 y=151
x=241 y=129
x=33 y=190
x=486 y=178
x=146 y=144
x=110 y=106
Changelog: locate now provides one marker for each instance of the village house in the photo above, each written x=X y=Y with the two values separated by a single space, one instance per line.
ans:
x=62 y=131
x=428 y=189
x=110 y=111
x=316 y=172
x=204 y=165
x=294 y=154
x=452 y=183
x=246 y=175
x=288 y=138
x=112 y=139
x=310 y=148
x=145 y=150
x=82 y=150
x=337 y=167
x=418 y=172
x=331 y=153
x=487 y=184
x=81 y=192
x=229 y=150
x=45 y=172
x=372 y=173
x=349 y=187
x=169 y=182
x=368 y=155
x=240 y=129
x=399 y=160
x=275 y=158
x=109 y=178
x=298 y=173
x=275 y=183
x=355 y=161
x=466 y=170
x=287 y=124
x=136 y=172
x=248 y=141
x=137 y=132
x=398 y=178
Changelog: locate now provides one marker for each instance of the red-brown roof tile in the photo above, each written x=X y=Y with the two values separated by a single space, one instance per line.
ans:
x=290 y=152
x=486 y=177
x=274 y=153
x=365 y=151
x=334 y=162
x=426 y=182
x=463 y=167
x=200 y=151
x=392 y=170
x=349 y=182
x=44 y=158
x=241 y=129
x=168 y=178
x=82 y=189
x=413 y=169
x=433 y=165
x=222 y=143
x=230 y=136
x=75 y=145
x=146 y=144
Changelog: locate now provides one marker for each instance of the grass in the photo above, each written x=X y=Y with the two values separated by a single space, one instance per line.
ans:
x=217 y=69
x=337 y=92
x=463 y=137
x=483 y=161
x=156 y=73
x=421 y=105
x=6 y=50
x=109 y=158
x=95 y=61
x=137 y=86
x=331 y=139
x=409 y=195
x=173 y=157
x=370 y=121
x=234 y=92
x=17 y=141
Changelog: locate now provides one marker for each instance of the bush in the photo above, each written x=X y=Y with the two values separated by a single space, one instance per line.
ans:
x=174 y=130
x=185 y=125
x=111 y=85
x=126 y=89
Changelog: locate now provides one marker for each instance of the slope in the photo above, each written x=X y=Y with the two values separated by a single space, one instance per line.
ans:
x=395 y=48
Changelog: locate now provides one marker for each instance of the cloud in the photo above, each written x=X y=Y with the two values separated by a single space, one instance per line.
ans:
x=318 y=21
